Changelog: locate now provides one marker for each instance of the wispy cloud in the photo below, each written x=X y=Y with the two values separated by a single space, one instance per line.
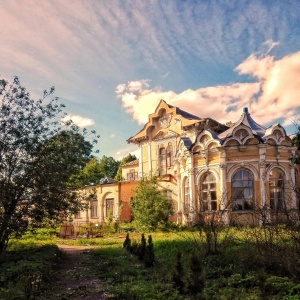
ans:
x=79 y=121
x=80 y=38
x=78 y=46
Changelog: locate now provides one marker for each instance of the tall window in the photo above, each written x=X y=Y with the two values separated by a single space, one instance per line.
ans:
x=276 y=188
x=169 y=155
x=162 y=161
x=94 y=209
x=186 y=204
x=109 y=207
x=208 y=194
x=165 y=158
x=242 y=187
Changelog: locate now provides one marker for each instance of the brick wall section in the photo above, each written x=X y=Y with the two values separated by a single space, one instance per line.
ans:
x=126 y=193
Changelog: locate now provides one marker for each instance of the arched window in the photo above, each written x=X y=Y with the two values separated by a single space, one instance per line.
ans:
x=165 y=158
x=276 y=188
x=162 y=161
x=109 y=207
x=186 y=205
x=208 y=194
x=169 y=155
x=242 y=188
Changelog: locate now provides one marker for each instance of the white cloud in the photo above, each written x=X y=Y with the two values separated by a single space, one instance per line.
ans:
x=275 y=95
x=280 y=84
x=112 y=135
x=79 y=121
x=220 y=102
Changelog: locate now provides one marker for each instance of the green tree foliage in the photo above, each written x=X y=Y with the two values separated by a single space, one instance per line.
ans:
x=296 y=142
x=109 y=166
x=124 y=160
x=90 y=173
x=94 y=171
x=37 y=158
x=150 y=206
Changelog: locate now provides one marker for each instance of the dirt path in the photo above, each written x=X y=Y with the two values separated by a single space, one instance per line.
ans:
x=76 y=280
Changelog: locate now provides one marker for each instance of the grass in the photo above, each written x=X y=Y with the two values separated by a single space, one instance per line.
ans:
x=241 y=269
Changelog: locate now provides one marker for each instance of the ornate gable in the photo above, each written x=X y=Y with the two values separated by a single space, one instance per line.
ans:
x=166 y=134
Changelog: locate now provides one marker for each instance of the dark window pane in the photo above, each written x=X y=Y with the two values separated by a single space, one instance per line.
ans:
x=213 y=195
x=213 y=205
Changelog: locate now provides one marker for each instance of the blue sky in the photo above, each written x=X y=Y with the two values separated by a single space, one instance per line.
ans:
x=111 y=61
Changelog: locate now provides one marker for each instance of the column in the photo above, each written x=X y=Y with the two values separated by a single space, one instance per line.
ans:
x=179 y=196
x=141 y=161
x=293 y=187
x=262 y=175
x=149 y=157
x=223 y=179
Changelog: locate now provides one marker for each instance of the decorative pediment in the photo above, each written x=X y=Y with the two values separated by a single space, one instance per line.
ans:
x=276 y=135
x=164 y=135
x=165 y=121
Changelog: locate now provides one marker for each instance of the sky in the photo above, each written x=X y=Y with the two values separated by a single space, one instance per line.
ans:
x=112 y=61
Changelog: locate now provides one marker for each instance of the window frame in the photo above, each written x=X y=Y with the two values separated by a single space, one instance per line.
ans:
x=240 y=202
x=187 y=195
x=132 y=175
x=109 y=202
x=207 y=203
x=94 y=209
x=278 y=188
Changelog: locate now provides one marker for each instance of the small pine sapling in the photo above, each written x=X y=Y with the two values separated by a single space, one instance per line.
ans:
x=196 y=280
x=149 y=257
x=178 y=274
x=127 y=242
x=142 y=248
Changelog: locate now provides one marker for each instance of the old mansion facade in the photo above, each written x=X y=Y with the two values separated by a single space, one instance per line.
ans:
x=205 y=166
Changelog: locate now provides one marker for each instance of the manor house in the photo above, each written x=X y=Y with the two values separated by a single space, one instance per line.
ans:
x=205 y=166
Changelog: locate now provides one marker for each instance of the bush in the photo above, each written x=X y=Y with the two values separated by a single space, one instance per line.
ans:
x=178 y=274
x=22 y=272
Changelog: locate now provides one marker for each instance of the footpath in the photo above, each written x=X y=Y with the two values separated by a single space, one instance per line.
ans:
x=75 y=279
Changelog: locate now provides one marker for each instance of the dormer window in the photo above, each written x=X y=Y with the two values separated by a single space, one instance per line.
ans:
x=132 y=175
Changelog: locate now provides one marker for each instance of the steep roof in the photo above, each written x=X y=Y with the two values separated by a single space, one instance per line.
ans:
x=246 y=120
x=131 y=163
x=187 y=119
x=107 y=180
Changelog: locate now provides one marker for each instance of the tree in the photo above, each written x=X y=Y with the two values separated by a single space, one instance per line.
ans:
x=90 y=173
x=124 y=160
x=94 y=171
x=296 y=142
x=109 y=166
x=37 y=158
x=150 y=206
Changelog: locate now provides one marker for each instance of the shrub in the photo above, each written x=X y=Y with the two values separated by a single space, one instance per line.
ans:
x=127 y=242
x=178 y=274
x=149 y=258
x=196 y=280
